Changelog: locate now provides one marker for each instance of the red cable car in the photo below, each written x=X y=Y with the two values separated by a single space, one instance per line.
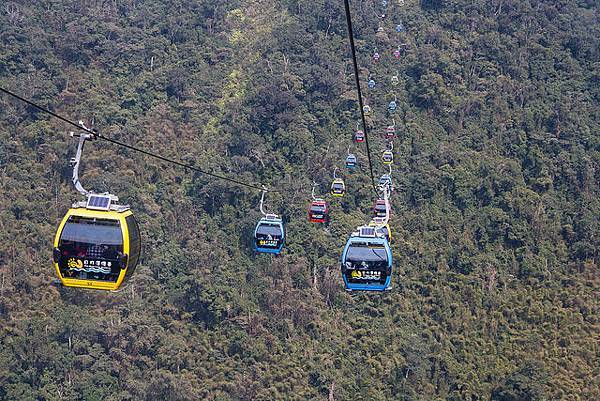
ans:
x=390 y=132
x=359 y=136
x=379 y=208
x=318 y=211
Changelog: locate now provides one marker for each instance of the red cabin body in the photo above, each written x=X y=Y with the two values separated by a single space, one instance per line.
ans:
x=390 y=132
x=379 y=208
x=359 y=136
x=318 y=212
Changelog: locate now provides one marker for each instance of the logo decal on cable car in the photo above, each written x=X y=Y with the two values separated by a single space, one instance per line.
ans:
x=90 y=266
x=75 y=263
x=264 y=242
x=365 y=275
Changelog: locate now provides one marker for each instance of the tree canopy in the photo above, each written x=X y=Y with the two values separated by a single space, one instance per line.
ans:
x=495 y=213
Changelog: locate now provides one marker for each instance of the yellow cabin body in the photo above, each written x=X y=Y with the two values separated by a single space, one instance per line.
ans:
x=385 y=229
x=96 y=249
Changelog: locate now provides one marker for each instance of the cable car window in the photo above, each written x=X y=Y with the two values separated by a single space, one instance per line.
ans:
x=317 y=208
x=89 y=249
x=93 y=231
x=265 y=230
x=364 y=253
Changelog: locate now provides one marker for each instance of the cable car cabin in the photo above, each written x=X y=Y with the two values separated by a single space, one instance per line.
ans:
x=376 y=57
x=379 y=208
x=97 y=245
x=395 y=80
x=390 y=132
x=387 y=156
x=351 y=161
x=384 y=231
x=399 y=28
x=397 y=53
x=371 y=83
x=338 y=187
x=359 y=136
x=367 y=261
x=367 y=109
x=269 y=235
x=318 y=212
x=392 y=106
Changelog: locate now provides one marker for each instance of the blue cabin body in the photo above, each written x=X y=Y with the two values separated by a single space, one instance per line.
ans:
x=269 y=235
x=367 y=264
x=351 y=162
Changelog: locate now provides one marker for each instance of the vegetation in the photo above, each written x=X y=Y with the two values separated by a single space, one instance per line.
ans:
x=495 y=215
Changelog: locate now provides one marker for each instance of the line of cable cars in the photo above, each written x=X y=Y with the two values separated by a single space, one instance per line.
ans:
x=98 y=243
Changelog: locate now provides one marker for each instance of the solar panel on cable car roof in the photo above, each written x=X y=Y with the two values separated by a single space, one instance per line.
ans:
x=98 y=202
x=367 y=232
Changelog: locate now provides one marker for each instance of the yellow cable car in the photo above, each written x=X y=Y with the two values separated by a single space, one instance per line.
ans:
x=387 y=156
x=338 y=187
x=97 y=244
x=96 y=249
x=385 y=230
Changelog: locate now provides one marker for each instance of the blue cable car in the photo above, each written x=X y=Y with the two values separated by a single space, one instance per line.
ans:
x=392 y=106
x=367 y=261
x=269 y=235
x=399 y=27
x=371 y=83
x=351 y=161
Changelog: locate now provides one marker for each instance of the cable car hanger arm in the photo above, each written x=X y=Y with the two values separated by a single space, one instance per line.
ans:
x=262 y=201
x=75 y=161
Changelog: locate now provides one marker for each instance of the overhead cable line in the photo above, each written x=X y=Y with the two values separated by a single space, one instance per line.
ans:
x=360 y=99
x=136 y=149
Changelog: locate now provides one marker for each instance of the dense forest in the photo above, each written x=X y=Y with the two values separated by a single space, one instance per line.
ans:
x=495 y=213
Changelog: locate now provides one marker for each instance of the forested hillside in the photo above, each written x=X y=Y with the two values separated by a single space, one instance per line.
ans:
x=495 y=214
